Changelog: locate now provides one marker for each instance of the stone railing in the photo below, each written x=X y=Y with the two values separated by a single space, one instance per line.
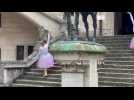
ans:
x=12 y=70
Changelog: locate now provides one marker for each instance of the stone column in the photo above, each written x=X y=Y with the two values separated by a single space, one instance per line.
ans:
x=78 y=60
x=91 y=74
x=72 y=75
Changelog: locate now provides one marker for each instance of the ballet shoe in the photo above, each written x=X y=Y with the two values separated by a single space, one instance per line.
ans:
x=45 y=75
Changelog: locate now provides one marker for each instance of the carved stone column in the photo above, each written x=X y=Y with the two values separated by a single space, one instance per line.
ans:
x=78 y=60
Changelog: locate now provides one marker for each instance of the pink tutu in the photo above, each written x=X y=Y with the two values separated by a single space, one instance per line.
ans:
x=131 y=46
x=46 y=61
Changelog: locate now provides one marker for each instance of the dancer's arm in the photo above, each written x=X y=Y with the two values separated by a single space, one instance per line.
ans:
x=48 y=41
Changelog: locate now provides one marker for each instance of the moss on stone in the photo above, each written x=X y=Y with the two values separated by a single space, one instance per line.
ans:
x=77 y=46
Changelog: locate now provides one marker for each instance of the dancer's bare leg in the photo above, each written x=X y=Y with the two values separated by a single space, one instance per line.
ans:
x=45 y=73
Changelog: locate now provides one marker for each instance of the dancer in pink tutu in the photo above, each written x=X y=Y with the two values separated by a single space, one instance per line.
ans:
x=46 y=60
x=131 y=46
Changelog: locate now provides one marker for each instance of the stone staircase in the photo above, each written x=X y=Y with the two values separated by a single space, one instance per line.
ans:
x=33 y=78
x=118 y=70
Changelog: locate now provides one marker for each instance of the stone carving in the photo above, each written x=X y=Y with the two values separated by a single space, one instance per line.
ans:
x=73 y=68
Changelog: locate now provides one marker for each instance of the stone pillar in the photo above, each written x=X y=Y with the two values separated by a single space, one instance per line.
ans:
x=78 y=60
x=91 y=74
x=72 y=76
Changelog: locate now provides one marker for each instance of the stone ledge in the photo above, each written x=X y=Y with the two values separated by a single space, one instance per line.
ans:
x=73 y=69
x=12 y=65
x=74 y=62
x=77 y=46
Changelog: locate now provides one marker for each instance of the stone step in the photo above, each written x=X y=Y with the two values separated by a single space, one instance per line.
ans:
x=41 y=71
x=34 y=78
x=118 y=48
x=108 y=46
x=112 y=70
x=119 y=55
x=118 y=70
x=130 y=35
x=116 y=44
x=116 y=75
x=119 y=62
x=27 y=85
x=111 y=48
x=34 y=67
x=115 y=84
x=121 y=51
x=40 y=78
x=113 y=41
x=33 y=82
x=41 y=74
x=111 y=79
x=120 y=58
x=115 y=66
x=115 y=38
x=49 y=72
x=116 y=53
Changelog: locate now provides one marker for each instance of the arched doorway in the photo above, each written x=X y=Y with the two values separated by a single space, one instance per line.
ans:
x=123 y=24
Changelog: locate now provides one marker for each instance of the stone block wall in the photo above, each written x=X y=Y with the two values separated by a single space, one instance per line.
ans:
x=15 y=30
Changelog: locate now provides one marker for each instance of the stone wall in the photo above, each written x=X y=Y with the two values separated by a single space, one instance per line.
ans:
x=15 y=30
